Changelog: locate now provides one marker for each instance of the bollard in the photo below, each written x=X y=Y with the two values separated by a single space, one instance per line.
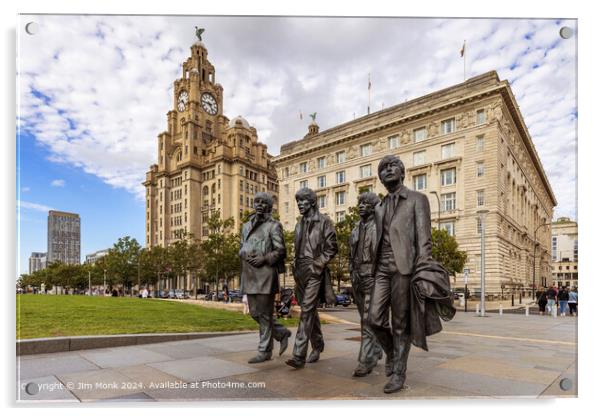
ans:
x=527 y=310
x=512 y=298
x=501 y=310
x=477 y=309
x=520 y=297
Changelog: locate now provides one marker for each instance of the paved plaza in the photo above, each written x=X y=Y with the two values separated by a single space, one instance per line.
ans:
x=496 y=356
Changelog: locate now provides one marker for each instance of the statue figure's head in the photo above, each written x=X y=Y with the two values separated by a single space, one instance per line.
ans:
x=263 y=203
x=306 y=201
x=391 y=170
x=366 y=203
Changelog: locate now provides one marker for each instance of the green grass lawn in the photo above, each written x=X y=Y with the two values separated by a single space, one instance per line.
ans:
x=40 y=316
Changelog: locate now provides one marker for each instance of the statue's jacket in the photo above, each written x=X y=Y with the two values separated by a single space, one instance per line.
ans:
x=266 y=239
x=323 y=242
x=431 y=300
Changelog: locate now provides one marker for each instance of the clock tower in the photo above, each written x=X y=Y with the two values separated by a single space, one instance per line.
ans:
x=206 y=162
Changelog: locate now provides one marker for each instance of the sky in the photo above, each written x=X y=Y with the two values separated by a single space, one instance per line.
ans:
x=93 y=93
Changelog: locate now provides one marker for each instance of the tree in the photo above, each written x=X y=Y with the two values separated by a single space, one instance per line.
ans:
x=340 y=264
x=289 y=243
x=445 y=251
x=221 y=249
x=122 y=261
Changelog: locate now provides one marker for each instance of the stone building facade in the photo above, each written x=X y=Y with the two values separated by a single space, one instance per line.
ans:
x=466 y=146
x=64 y=237
x=37 y=261
x=206 y=162
x=565 y=253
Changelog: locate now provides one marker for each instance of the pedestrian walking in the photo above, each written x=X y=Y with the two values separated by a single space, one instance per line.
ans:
x=563 y=300
x=551 y=295
x=573 y=301
x=542 y=300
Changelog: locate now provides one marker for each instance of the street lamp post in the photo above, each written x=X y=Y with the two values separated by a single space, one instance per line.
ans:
x=438 y=209
x=482 y=217
x=534 y=254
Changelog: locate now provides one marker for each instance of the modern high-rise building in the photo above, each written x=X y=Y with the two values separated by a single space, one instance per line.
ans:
x=467 y=148
x=206 y=162
x=63 y=237
x=37 y=261
x=565 y=252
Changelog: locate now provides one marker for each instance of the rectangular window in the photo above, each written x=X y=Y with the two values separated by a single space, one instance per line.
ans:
x=286 y=207
x=420 y=182
x=286 y=190
x=480 y=169
x=286 y=172
x=575 y=251
x=321 y=162
x=480 y=143
x=340 y=177
x=420 y=158
x=448 y=177
x=419 y=134
x=365 y=188
x=394 y=142
x=480 y=117
x=448 y=201
x=341 y=156
x=448 y=150
x=321 y=181
x=479 y=225
x=322 y=201
x=303 y=184
x=340 y=198
x=449 y=226
x=303 y=167
x=448 y=126
x=366 y=150
x=339 y=216
x=365 y=171
x=480 y=197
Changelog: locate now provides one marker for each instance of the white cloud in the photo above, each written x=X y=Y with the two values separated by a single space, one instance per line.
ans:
x=103 y=84
x=32 y=205
x=58 y=183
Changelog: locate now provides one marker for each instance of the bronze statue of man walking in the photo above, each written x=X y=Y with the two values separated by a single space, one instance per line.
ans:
x=407 y=281
x=315 y=246
x=363 y=244
x=262 y=253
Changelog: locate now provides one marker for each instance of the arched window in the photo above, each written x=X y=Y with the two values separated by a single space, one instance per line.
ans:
x=213 y=188
x=179 y=156
x=205 y=190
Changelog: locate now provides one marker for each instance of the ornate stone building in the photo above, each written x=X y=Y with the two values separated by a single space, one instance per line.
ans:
x=467 y=147
x=206 y=162
x=565 y=253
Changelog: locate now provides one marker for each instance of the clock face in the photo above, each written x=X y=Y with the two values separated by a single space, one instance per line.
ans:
x=182 y=100
x=209 y=104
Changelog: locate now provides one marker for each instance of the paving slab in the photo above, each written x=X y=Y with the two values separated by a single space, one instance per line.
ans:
x=34 y=367
x=121 y=357
x=202 y=368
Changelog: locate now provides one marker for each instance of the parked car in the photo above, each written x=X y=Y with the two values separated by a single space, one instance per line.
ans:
x=343 y=299
x=211 y=296
x=235 y=296
x=181 y=294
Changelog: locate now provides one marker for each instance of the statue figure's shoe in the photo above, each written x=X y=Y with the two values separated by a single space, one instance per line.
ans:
x=260 y=357
x=362 y=371
x=315 y=355
x=295 y=362
x=284 y=342
x=395 y=383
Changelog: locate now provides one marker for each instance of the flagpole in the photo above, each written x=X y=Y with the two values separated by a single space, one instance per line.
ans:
x=464 y=49
x=369 y=86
